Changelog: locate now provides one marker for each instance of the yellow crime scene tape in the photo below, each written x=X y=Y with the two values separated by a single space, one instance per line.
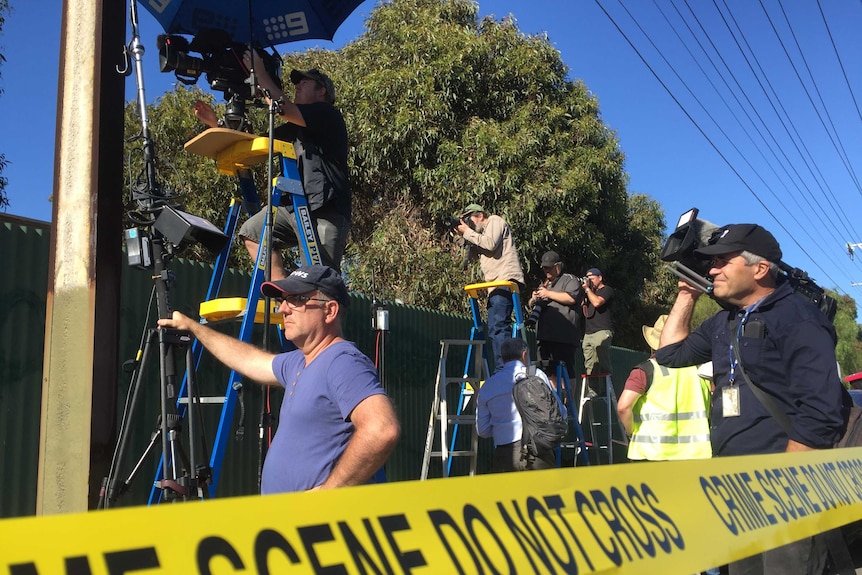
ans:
x=663 y=517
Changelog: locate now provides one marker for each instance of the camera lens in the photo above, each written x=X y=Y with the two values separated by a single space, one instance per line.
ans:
x=533 y=318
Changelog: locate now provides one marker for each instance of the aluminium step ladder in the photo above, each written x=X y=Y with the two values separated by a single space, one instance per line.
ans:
x=235 y=153
x=577 y=443
x=601 y=430
x=477 y=351
x=475 y=372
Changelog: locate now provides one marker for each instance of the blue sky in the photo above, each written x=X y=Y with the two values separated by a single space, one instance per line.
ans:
x=758 y=142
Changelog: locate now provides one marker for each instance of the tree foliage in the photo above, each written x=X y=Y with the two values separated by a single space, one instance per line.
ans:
x=450 y=110
x=849 y=348
x=444 y=109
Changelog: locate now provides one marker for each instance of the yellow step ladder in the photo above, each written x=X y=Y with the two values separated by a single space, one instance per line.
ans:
x=235 y=153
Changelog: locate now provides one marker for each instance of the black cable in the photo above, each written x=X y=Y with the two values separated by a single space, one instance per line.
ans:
x=815 y=207
x=842 y=153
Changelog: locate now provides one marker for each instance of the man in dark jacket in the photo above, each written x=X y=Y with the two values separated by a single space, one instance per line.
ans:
x=784 y=344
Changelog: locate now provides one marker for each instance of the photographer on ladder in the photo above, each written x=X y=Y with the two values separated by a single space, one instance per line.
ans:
x=318 y=133
x=557 y=316
x=598 y=324
x=492 y=243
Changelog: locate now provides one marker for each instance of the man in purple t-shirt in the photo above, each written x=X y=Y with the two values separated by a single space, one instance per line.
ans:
x=337 y=426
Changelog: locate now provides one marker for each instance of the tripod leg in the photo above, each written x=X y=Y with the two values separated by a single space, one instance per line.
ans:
x=149 y=449
x=111 y=491
x=200 y=471
x=175 y=465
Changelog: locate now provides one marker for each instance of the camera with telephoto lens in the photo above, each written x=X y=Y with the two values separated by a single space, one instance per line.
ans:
x=692 y=233
x=451 y=222
x=221 y=60
x=536 y=313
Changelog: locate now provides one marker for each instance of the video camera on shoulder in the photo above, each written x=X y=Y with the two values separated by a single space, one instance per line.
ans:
x=692 y=233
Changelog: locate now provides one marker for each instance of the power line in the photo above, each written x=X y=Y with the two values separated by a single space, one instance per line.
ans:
x=842 y=152
x=840 y=61
x=815 y=207
x=772 y=97
x=697 y=124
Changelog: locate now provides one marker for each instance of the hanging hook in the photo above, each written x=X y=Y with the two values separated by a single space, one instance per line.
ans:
x=126 y=70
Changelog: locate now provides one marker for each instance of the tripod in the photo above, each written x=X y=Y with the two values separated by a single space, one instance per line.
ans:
x=162 y=230
x=182 y=475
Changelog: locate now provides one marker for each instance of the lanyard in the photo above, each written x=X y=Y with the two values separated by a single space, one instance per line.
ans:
x=733 y=363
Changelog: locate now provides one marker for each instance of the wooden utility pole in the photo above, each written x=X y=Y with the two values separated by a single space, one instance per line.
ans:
x=80 y=371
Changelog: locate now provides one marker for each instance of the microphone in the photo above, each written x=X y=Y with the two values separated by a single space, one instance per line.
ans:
x=704 y=230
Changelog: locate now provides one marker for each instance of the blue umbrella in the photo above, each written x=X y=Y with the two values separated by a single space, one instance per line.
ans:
x=272 y=22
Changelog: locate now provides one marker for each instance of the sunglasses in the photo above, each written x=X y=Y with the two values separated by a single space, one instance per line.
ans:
x=296 y=301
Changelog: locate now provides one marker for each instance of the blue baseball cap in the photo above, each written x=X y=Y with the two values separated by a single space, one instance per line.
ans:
x=309 y=278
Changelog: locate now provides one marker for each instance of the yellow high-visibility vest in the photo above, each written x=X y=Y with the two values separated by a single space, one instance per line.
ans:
x=671 y=420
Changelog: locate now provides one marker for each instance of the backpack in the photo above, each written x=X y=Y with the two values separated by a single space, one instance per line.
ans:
x=544 y=426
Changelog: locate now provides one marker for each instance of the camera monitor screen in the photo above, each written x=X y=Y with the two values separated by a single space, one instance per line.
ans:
x=687 y=218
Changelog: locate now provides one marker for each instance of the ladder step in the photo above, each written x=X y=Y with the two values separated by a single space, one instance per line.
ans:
x=229 y=308
x=452 y=342
x=212 y=399
x=463 y=419
x=454 y=453
x=464 y=380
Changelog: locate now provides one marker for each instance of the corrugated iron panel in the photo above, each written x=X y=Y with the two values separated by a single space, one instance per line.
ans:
x=24 y=248
x=409 y=352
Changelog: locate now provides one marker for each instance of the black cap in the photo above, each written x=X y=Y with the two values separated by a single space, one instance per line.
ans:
x=550 y=258
x=309 y=278
x=742 y=237
x=296 y=77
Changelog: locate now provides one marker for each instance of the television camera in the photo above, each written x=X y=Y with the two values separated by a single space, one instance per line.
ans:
x=692 y=233
x=222 y=62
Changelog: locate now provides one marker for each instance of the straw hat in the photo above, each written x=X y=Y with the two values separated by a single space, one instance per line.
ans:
x=652 y=333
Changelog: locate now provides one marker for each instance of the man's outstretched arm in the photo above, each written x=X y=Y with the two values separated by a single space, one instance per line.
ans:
x=245 y=358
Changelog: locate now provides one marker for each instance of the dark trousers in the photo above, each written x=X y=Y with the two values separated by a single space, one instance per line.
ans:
x=805 y=557
x=499 y=322
x=544 y=460
x=507 y=458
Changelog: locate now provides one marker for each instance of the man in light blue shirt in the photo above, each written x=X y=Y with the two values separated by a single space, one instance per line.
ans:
x=496 y=414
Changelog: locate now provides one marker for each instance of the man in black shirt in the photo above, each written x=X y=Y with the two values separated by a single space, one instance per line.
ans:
x=319 y=137
x=598 y=322
x=558 y=329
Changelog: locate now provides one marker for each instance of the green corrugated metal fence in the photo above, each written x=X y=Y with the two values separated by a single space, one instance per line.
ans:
x=411 y=356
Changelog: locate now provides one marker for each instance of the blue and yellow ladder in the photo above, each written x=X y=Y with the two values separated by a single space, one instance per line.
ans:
x=235 y=153
x=475 y=371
